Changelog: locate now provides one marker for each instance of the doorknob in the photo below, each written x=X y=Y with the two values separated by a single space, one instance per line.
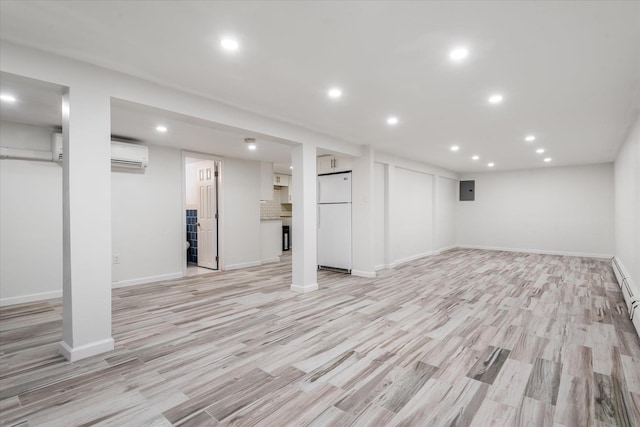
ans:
x=198 y=224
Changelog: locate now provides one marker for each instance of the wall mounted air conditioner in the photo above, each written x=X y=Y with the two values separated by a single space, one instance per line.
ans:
x=56 y=147
x=126 y=155
x=123 y=154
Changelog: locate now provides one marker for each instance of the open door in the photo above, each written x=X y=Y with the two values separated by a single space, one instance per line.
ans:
x=208 y=214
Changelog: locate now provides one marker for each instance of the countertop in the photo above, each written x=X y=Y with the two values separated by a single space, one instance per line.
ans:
x=276 y=218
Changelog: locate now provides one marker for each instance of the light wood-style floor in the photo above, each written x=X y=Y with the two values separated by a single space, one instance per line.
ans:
x=467 y=337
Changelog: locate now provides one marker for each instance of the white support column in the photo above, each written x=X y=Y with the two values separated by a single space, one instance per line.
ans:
x=389 y=216
x=362 y=205
x=86 y=209
x=436 y=235
x=304 y=226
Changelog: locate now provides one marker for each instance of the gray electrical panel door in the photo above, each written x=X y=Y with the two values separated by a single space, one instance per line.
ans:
x=467 y=190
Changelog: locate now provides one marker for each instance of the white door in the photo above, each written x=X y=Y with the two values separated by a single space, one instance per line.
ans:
x=208 y=215
x=334 y=188
x=334 y=235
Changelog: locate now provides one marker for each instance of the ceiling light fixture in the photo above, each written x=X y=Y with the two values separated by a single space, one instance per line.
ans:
x=229 y=44
x=547 y=159
x=290 y=167
x=335 y=93
x=530 y=138
x=454 y=148
x=458 y=54
x=540 y=150
x=475 y=157
x=495 y=99
x=251 y=143
x=161 y=128
x=491 y=165
x=7 y=98
x=392 y=121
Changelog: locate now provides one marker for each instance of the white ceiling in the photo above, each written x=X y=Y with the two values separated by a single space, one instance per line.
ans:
x=569 y=71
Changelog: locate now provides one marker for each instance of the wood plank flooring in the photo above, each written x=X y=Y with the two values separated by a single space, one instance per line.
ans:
x=465 y=338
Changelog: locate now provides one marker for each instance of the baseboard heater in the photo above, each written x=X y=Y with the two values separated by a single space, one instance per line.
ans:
x=336 y=269
x=631 y=298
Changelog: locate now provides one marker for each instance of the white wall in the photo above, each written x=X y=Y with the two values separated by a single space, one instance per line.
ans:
x=445 y=224
x=411 y=224
x=241 y=204
x=30 y=219
x=146 y=214
x=567 y=210
x=627 y=205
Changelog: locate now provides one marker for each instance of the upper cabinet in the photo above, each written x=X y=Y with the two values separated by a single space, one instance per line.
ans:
x=330 y=164
x=281 y=180
x=266 y=186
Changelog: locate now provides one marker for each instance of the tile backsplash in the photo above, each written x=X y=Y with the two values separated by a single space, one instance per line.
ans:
x=274 y=208
x=192 y=235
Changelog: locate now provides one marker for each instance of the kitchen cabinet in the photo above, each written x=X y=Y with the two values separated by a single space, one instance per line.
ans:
x=266 y=184
x=331 y=164
x=270 y=240
x=281 y=180
x=285 y=194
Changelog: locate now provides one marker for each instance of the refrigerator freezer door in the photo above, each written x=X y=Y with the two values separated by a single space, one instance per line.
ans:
x=335 y=188
x=334 y=235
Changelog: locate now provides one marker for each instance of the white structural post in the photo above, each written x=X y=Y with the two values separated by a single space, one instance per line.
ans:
x=86 y=193
x=304 y=226
x=362 y=211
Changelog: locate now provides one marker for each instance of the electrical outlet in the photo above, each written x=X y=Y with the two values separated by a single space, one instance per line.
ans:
x=116 y=258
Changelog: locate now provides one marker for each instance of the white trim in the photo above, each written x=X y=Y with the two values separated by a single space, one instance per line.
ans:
x=381 y=267
x=411 y=258
x=243 y=265
x=304 y=289
x=537 y=251
x=87 y=350
x=148 y=279
x=269 y=260
x=446 y=248
x=30 y=298
x=366 y=274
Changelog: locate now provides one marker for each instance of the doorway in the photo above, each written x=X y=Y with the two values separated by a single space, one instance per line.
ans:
x=202 y=214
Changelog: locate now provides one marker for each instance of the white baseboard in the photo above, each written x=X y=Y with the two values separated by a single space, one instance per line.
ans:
x=242 y=265
x=144 y=280
x=538 y=251
x=445 y=249
x=366 y=274
x=304 y=289
x=269 y=260
x=83 y=351
x=411 y=258
x=30 y=298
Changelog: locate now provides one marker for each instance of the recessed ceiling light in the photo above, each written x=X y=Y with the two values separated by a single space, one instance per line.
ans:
x=392 y=121
x=229 y=44
x=547 y=159
x=161 y=128
x=475 y=157
x=495 y=99
x=491 y=165
x=540 y=150
x=7 y=98
x=454 y=148
x=251 y=143
x=458 y=54
x=290 y=167
x=530 y=138
x=335 y=93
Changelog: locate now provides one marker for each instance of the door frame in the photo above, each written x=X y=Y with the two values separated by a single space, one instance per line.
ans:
x=221 y=218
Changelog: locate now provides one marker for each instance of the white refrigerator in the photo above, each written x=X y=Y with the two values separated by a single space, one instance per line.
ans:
x=334 y=221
